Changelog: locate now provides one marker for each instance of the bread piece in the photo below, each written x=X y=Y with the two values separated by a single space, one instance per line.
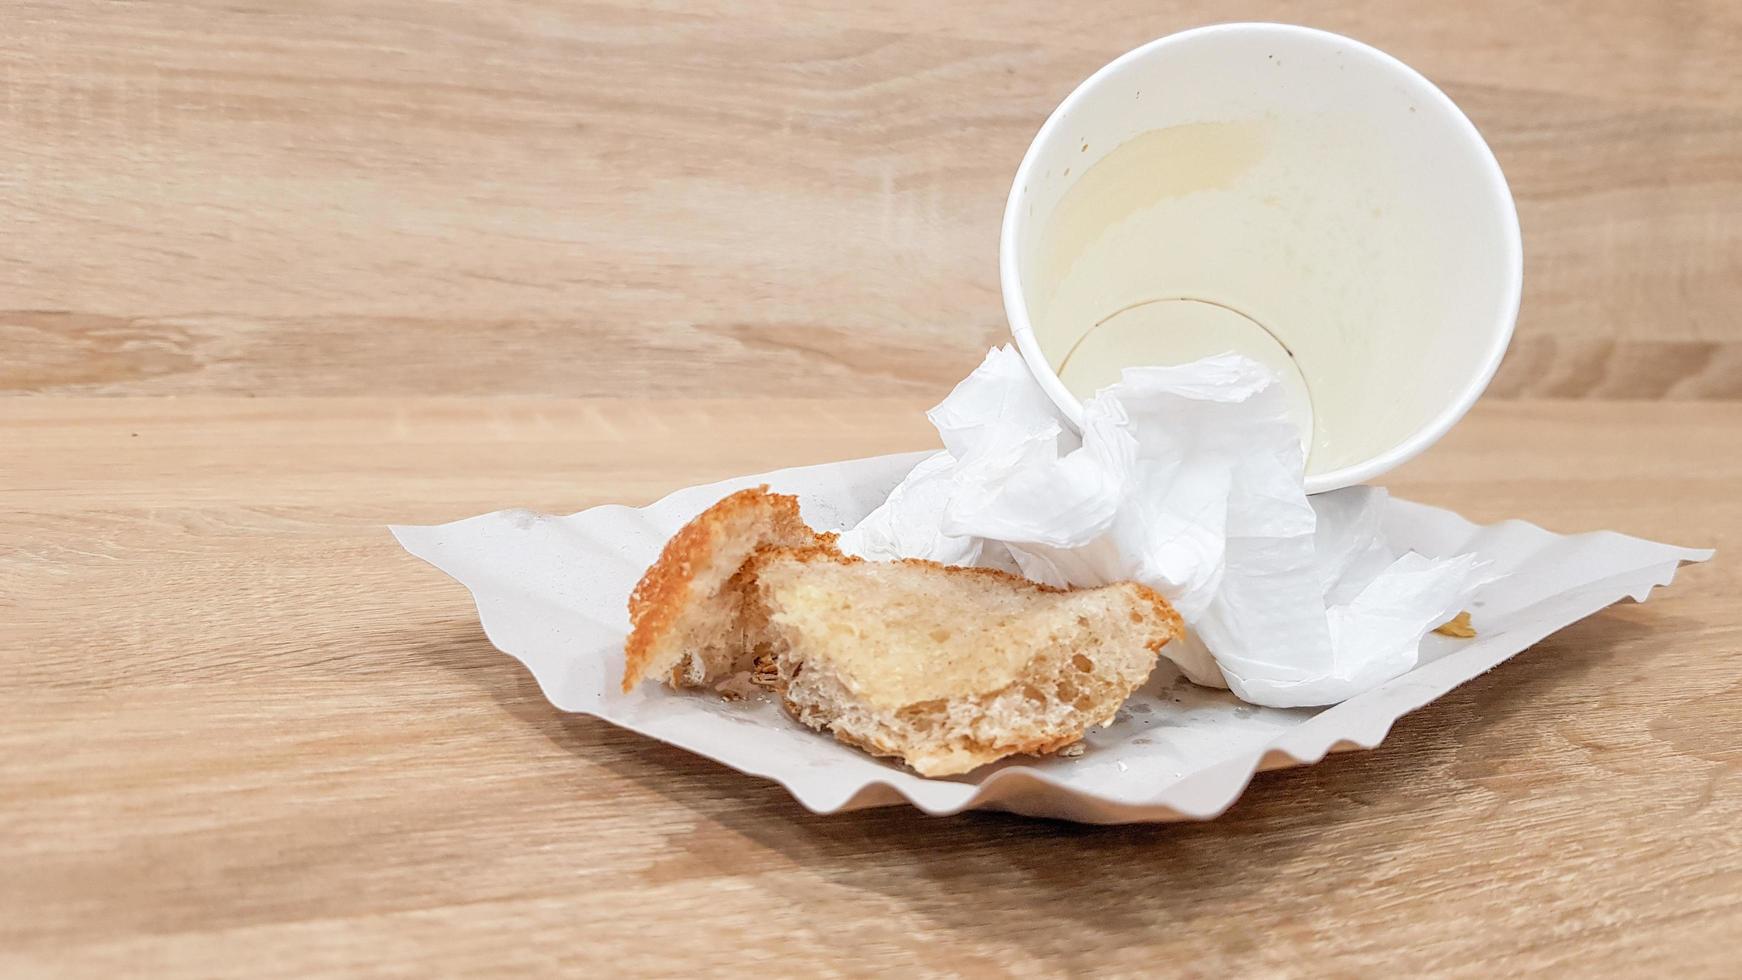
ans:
x=687 y=611
x=946 y=668
x=949 y=668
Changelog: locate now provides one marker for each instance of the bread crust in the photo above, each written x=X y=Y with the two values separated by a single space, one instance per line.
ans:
x=951 y=763
x=665 y=589
x=773 y=523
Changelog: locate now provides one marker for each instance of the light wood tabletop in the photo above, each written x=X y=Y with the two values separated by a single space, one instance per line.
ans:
x=275 y=275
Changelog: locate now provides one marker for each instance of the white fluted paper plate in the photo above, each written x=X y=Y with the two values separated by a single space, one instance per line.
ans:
x=552 y=592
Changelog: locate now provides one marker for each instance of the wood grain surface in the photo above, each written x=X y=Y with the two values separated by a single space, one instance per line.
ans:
x=623 y=199
x=243 y=728
x=273 y=275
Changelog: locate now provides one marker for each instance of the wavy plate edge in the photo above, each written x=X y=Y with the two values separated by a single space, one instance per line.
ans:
x=1362 y=722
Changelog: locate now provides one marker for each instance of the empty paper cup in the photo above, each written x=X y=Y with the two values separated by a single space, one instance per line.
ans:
x=1284 y=193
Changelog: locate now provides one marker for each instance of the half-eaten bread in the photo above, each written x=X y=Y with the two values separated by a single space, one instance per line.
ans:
x=946 y=668
x=687 y=613
x=950 y=668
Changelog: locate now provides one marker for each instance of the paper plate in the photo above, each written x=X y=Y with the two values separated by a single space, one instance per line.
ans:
x=552 y=592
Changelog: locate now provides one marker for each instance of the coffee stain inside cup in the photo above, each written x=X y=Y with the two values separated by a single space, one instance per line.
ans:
x=1173 y=330
x=1141 y=173
x=1110 y=283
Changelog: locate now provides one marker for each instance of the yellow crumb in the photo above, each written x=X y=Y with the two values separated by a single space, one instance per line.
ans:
x=1459 y=627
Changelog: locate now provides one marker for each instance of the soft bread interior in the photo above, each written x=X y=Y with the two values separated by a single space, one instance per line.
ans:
x=949 y=668
x=945 y=668
x=687 y=612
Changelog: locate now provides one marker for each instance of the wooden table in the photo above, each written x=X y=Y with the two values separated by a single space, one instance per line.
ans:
x=276 y=275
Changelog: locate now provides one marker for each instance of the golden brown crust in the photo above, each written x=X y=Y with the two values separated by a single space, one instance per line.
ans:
x=996 y=574
x=1164 y=611
x=1044 y=746
x=663 y=592
x=979 y=754
x=666 y=591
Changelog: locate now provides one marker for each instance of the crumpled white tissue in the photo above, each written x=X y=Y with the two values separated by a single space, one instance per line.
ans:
x=1188 y=479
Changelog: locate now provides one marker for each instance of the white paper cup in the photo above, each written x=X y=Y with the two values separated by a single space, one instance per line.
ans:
x=1285 y=193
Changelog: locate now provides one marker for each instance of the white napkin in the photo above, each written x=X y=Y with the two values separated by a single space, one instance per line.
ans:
x=1190 y=480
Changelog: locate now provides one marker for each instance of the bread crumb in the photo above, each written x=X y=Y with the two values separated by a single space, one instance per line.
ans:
x=737 y=687
x=1459 y=626
x=764 y=672
x=1071 y=751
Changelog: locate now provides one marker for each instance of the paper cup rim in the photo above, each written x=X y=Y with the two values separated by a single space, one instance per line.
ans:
x=1016 y=309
